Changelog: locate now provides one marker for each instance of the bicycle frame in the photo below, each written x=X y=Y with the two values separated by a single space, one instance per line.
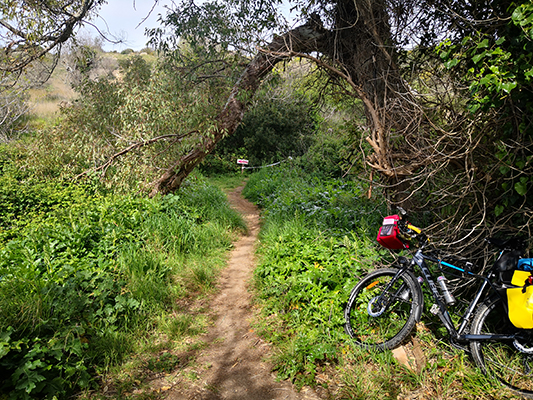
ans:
x=440 y=308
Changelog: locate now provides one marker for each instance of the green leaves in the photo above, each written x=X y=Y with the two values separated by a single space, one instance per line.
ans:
x=82 y=273
x=215 y=28
x=494 y=67
x=317 y=235
x=523 y=17
x=521 y=186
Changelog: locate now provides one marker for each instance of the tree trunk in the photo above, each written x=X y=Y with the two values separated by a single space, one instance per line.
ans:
x=363 y=46
x=359 y=49
x=305 y=38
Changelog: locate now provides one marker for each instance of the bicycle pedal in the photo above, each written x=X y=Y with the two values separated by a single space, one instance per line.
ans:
x=434 y=309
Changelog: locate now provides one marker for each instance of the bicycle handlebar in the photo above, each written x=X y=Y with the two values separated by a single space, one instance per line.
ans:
x=410 y=232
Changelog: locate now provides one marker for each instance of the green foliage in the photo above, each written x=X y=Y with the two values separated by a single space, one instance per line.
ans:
x=214 y=28
x=279 y=124
x=147 y=102
x=335 y=205
x=33 y=30
x=316 y=236
x=496 y=65
x=83 y=274
x=333 y=152
x=84 y=59
x=495 y=68
x=22 y=204
x=272 y=130
x=137 y=71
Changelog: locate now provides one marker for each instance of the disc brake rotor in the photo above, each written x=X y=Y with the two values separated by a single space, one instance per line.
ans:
x=370 y=308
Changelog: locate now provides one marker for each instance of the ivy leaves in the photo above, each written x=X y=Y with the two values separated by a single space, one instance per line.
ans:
x=491 y=74
x=496 y=66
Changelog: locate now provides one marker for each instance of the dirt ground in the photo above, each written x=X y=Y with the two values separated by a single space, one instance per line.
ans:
x=234 y=362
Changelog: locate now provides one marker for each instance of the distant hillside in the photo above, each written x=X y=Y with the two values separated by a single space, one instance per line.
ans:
x=46 y=99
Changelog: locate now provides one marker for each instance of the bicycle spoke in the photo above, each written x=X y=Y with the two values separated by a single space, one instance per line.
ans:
x=381 y=315
x=501 y=360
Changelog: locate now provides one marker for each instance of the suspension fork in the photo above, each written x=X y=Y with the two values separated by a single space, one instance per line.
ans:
x=383 y=299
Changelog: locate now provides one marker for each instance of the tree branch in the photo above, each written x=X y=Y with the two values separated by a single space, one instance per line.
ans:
x=30 y=49
x=132 y=147
x=305 y=38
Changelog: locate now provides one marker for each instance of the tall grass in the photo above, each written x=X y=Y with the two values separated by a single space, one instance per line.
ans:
x=318 y=239
x=89 y=279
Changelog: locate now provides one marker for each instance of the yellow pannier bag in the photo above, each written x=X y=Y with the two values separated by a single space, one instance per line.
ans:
x=520 y=301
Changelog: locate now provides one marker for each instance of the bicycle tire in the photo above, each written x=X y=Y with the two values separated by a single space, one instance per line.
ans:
x=386 y=327
x=502 y=360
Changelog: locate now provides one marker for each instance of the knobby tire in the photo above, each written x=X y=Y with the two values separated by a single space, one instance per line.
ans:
x=500 y=359
x=386 y=325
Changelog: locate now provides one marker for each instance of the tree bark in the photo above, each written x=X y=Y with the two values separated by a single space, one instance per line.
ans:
x=306 y=38
x=363 y=46
x=359 y=51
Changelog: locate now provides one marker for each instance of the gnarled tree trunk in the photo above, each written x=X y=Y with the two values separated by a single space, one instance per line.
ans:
x=358 y=50
x=306 y=38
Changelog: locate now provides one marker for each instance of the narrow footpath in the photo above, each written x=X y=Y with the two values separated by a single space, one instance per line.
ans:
x=233 y=364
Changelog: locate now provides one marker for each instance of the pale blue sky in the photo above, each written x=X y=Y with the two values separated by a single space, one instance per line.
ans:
x=120 y=18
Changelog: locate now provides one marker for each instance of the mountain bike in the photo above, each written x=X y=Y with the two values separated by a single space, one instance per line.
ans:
x=385 y=305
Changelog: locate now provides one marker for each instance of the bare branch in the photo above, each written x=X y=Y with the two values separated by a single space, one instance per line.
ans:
x=134 y=146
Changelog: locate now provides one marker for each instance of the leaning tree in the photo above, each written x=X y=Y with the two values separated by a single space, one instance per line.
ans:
x=31 y=36
x=445 y=85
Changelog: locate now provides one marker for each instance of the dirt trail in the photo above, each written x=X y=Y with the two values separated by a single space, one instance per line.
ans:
x=232 y=365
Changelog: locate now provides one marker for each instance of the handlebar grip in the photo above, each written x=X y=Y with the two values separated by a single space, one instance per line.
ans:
x=414 y=228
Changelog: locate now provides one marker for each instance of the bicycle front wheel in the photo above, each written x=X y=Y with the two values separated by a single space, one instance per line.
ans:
x=381 y=313
x=502 y=359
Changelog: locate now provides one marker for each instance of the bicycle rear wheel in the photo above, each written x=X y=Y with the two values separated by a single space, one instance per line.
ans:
x=381 y=318
x=501 y=359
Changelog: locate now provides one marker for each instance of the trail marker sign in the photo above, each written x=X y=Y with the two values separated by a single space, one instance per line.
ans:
x=242 y=164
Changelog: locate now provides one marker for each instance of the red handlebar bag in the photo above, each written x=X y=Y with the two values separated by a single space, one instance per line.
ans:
x=388 y=235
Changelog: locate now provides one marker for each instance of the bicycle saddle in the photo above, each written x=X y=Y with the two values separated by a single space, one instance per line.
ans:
x=513 y=243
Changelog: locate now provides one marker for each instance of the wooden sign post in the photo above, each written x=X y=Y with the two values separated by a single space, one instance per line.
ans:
x=242 y=163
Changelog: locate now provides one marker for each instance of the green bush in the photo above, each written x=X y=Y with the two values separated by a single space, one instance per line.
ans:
x=23 y=203
x=85 y=274
x=318 y=237
x=152 y=106
x=272 y=130
x=333 y=152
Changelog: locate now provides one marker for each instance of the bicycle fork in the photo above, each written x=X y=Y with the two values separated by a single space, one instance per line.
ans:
x=379 y=304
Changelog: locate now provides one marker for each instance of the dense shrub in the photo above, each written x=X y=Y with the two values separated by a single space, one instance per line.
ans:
x=150 y=109
x=318 y=237
x=84 y=274
x=272 y=130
